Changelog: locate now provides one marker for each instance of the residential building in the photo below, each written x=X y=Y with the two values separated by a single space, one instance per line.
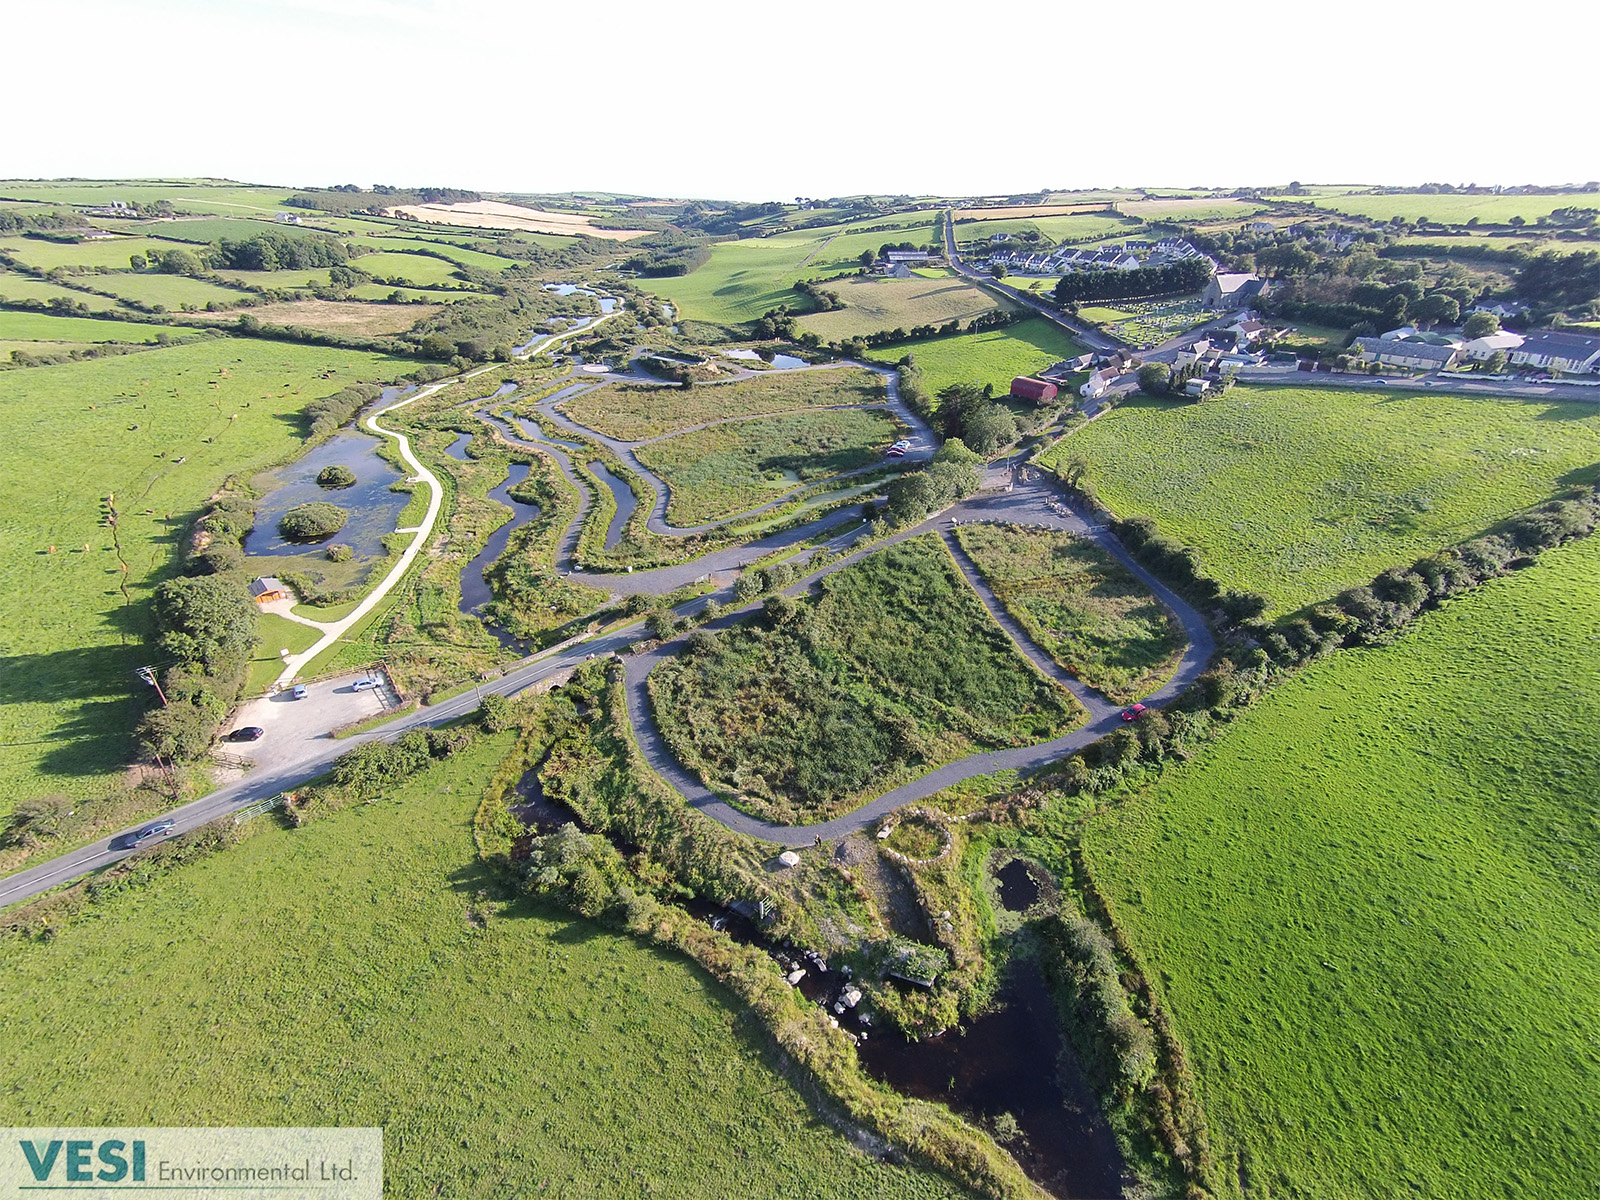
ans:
x=1099 y=383
x=1503 y=309
x=1557 y=350
x=1229 y=290
x=1484 y=348
x=1192 y=354
x=1245 y=332
x=1197 y=387
x=1421 y=356
x=1067 y=366
x=1026 y=387
x=1261 y=227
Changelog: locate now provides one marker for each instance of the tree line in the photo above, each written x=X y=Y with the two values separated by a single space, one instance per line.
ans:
x=1188 y=275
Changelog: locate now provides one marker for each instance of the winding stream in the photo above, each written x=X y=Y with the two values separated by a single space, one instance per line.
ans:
x=475 y=590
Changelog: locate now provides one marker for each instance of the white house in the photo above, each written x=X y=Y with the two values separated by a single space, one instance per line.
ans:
x=1484 y=348
x=1245 y=332
x=1558 y=351
x=1500 y=308
x=1098 y=384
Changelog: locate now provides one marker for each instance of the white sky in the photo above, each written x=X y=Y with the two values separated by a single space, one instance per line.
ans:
x=755 y=101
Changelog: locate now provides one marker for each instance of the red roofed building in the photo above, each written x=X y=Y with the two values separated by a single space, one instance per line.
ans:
x=1040 y=391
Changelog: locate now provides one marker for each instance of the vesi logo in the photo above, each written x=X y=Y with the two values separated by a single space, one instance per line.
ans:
x=78 y=1160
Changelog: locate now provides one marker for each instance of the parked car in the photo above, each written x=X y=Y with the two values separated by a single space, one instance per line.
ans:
x=1134 y=713
x=301 y=691
x=363 y=685
x=248 y=733
x=894 y=452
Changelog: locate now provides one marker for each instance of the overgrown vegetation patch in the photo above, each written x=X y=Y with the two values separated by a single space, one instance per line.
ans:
x=1082 y=607
x=896 y=668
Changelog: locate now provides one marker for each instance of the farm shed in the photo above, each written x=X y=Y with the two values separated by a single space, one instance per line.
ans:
x=269 y=588
x=1040 y=391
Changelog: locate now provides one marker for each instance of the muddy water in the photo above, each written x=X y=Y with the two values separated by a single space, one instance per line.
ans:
x=1007 y=1061
x=475 y=591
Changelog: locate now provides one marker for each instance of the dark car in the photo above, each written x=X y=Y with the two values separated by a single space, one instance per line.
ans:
x=250 y=733
x=1134 y=713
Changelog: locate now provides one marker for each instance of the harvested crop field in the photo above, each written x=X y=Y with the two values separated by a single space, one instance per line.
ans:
x=492 y=214
x=345 y=316
x=873 y=305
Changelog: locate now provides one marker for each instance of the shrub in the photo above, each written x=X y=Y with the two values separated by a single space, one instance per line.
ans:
x=312 y=522
x=336 y=476
x=339 y=552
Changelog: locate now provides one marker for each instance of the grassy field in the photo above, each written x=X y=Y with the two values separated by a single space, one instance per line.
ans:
x=1075 y=227
x=635 y=413
x=343 y=316
x=457 y=254
x=1189 y=208
x=26 y=287
x=747 y=278
x=1371 y=908
x=184 y=195
x=995 y=356
x=1296 y=493
x=170 y=291
x=114 y=253
x=423 y=270
x=727 y=469
x=74 y=434
x=896 y=669
x=1456 y=210
x=874 y=304
x=372 y=961
x=41 y=327
x=277 y=633
x=1083 y=607
x=313 y=277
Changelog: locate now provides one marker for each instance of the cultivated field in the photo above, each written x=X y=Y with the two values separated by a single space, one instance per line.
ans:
x=1371 y=907
x=1083 y=227
x=633 y=413
x=994 y=356
x=896 y=669
x=724 y=470
x=370 y=959
x=185 y=195
x=1296 y=493
x=872 y=305
x=1188 y=208
x=1083 y=607
x=491 y=214
x=76 y=434
x=1457 y=210
x=344 y=316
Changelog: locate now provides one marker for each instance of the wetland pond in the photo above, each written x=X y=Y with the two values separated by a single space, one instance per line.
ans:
x=373 y=508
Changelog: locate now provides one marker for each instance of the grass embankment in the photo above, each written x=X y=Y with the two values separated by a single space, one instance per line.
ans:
x=1371 y=906
x=160 y=430
x=1083 y=608
x=896 y=669
x=1297 y=493
x=372 y=960
x=633 y=413
x=873 y=304
x=994 y=356
x=727 y=469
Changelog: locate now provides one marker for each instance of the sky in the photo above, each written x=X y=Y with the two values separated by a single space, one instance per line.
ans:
x=747 y=101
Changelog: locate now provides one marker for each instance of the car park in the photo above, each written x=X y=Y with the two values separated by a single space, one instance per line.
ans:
x=364 y=685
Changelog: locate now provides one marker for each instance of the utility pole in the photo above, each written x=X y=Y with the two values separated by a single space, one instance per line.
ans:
x=148 y=674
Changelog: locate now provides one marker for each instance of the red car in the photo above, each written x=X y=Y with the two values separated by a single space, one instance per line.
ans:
x=1134 y=713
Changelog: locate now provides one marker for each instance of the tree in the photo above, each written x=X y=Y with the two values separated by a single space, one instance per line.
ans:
x=866 y=258
x=1155 y=379
x=661 y=624
x=496 y=713
x=998 y=271
x=1497 y=362
x=312 y=522
x=207 y=620
x=1480 y=325
x=180 y=262
x=989 y=430
x=1434 y=308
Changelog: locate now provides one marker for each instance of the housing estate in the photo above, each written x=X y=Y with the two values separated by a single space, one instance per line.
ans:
x=1558 y=350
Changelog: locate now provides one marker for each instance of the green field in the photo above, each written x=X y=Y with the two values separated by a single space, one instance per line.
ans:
x=1072 y=227
x=897 y=668
x=745 y=279
x=366 y=970
x=312 y=277
x=74 y=434
x=1457 y=210
x=456 y=254
x=995 y=356
x=725 y=470
x=421 y=269
x=114 y=253
x=170 y=291
x=633 y=413
x=1297 y=493
x=1371 y=907
x=1080 y=605
x=185 y=196
x=16 y=287
x=41 y=327
x=873 y=305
